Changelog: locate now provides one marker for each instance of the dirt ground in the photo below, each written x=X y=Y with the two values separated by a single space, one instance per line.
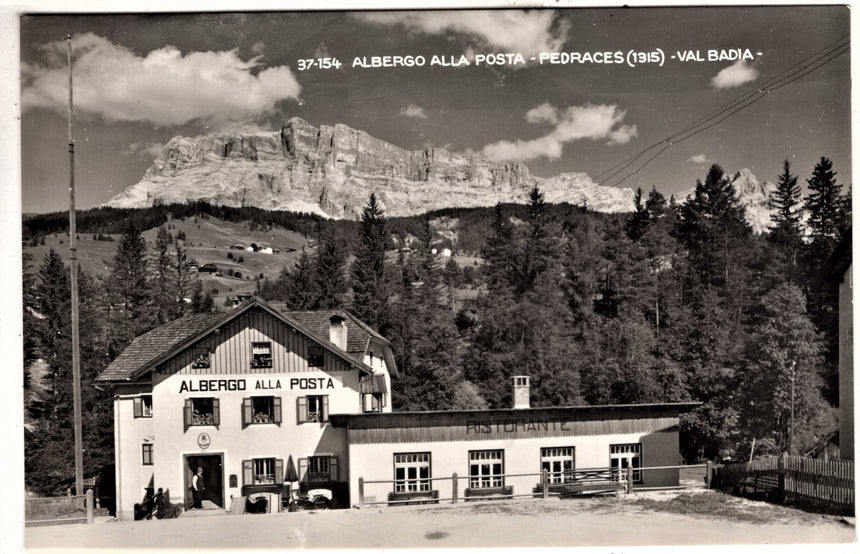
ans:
x=645 y=519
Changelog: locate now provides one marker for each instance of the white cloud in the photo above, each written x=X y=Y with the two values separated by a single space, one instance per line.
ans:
x=698 y=159
x=589 y=121
x=735 y=75
x=413 y=111
x=546 y=112
x=163 y=87
x=527 y=32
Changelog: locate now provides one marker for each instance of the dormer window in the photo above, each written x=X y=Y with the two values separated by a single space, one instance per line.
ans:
x=262 y=352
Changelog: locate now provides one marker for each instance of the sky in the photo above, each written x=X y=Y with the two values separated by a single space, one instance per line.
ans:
x=624 y=82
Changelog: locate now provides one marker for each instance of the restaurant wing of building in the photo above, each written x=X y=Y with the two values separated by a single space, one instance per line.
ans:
x=238 y=394
x=504 y=451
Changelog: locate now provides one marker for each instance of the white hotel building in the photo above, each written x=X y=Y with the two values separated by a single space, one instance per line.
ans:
x=239 y=393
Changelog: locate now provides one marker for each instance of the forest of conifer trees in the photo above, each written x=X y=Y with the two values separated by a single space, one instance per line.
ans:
x=672 y=302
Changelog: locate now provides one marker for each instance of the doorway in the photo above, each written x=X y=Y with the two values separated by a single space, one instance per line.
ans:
x=213 y=478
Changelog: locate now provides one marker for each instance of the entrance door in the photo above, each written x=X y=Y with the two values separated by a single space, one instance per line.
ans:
x=213 y=478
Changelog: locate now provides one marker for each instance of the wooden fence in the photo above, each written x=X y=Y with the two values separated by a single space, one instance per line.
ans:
x=794 y=480
x=53 y=510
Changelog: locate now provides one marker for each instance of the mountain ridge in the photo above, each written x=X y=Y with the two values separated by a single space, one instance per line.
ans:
x=331 y=171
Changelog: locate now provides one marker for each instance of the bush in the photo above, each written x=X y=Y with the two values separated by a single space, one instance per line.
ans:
x=229 y=255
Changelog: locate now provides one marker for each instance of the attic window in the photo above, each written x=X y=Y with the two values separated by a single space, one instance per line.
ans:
x=202 y=359
x=316 y=356
x=262 y=352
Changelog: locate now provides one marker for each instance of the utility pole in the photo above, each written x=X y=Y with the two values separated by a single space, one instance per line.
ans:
x=73 y=257
x=791 y=421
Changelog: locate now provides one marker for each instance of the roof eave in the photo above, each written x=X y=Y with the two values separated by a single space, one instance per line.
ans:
x=234 y=314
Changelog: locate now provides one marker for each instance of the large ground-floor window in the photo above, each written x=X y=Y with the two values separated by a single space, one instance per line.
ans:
x=264 y=471
x=622 y=456
x=412 y=472
x=556 y=461
x=486 y=469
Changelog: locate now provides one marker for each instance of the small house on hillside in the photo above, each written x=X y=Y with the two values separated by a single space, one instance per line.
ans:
x=208 y=268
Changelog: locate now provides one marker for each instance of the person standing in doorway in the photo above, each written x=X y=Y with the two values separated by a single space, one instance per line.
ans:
x=197 y=488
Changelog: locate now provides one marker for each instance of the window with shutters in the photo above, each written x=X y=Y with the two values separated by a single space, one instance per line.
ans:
x=202 y=411
x=262 y=475
x=412 y=472
x=318 y=469
x=622 y=456
x=261 y=409
x=316 y=355
x=262 y=354
x=556 y=461
x=146 y=453
x=143 y=405
x=312 y=409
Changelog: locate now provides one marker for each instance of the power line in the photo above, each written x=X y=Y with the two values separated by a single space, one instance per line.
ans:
x=791 y=74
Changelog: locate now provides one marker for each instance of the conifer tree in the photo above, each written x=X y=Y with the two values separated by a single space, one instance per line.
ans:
x=825 y=207
x=638 y=220
x=786 y=201
x=423 y=331
x=330 y=270
x=368 y=275
x=163 y=282
x=201 y=299
x=497 y=252
x=184 y=278
x=302 y=292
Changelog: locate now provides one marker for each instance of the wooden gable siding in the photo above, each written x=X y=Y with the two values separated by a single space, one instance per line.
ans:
x=232 y=351
x=425 y=428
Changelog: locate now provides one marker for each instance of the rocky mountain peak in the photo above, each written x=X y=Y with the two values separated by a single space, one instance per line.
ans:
x=332 y=169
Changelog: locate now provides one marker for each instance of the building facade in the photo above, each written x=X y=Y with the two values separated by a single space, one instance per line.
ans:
x=259 y=398
x=238 y=394
x=504 y=451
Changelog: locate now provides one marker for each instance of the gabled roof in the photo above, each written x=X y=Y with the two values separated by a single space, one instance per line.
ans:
x=153 y=348
x=358 y=333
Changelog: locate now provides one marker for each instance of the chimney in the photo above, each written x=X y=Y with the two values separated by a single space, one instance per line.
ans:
x=521 y=392
x=337 y=331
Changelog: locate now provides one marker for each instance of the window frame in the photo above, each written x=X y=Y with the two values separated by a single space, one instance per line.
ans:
x=262 y=359
x=142 y=407
x=418 y=482
x=305 y=469
x=250 y=412
x=250 y=484
x=303 y=409
x=188 y=415
x=201 y=358
x=560 y=476
x=262 y=476
x=147 y=451
x=635 y=458
x=489 y=480
x=316 y=355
